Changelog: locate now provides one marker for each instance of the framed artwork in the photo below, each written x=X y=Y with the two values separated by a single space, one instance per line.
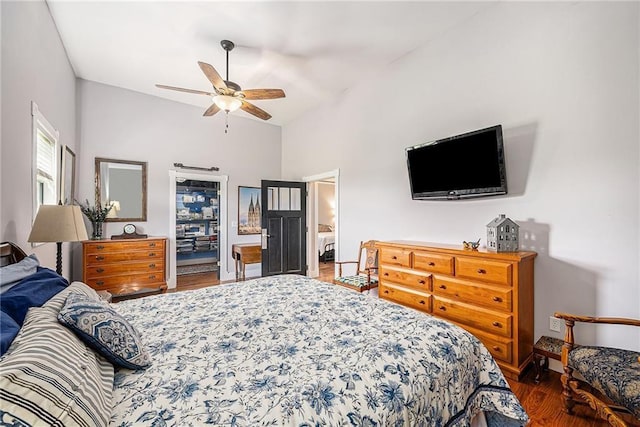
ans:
x=249 y=210
x=68 y=176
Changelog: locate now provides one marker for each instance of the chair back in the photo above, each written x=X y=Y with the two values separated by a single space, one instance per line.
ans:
x=368 y=256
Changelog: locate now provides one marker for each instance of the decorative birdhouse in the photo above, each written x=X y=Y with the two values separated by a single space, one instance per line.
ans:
x=502 y=235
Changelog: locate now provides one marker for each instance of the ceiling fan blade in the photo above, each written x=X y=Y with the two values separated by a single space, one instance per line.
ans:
x=181 y=89
x=211 y=110
x=252 y=109
x=263 y=93
x=213 y=76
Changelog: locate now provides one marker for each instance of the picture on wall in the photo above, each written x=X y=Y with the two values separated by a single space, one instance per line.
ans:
x=249 y=210
x=67 y=176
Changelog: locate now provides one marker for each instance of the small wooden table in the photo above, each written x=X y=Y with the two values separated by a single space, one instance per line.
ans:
x=243 y=254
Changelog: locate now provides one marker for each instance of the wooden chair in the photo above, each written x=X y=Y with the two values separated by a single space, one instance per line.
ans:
x=365 y=277
x=613 y=372
x=10 y=253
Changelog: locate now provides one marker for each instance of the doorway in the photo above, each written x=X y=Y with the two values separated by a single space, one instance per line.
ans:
x=323 y=219
x=197 y=241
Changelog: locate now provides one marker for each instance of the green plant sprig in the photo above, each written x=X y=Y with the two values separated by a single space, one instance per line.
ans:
x=95 y=213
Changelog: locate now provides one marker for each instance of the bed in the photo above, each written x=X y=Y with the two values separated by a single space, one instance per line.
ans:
x=284 y=350
x=326 y=242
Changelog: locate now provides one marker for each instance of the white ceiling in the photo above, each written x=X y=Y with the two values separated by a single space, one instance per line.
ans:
x=312 y=50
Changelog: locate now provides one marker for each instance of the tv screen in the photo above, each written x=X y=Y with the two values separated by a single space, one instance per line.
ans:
x=461 y=166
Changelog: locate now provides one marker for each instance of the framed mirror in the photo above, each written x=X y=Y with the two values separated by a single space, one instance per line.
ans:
x=123 y=183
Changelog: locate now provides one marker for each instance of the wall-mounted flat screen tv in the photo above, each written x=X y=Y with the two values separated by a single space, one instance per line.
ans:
x=461 y=166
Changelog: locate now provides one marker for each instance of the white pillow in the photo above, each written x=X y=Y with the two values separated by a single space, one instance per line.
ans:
x=10 y=275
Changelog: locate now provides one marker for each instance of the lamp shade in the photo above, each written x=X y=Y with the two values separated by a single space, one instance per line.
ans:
x=58 y=223
x=227 y=103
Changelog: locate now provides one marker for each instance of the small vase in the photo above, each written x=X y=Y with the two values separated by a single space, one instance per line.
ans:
x=96 y=233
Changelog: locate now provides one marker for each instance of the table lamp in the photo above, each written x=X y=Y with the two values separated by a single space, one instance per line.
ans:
x=58 y=223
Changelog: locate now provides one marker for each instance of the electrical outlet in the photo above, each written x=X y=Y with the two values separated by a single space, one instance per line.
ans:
x=555 y=324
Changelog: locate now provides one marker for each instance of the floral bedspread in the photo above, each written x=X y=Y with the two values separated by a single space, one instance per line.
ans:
x=288 y=350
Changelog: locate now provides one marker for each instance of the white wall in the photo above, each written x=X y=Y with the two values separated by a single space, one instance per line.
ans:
x=326 y=203
x=121 y=124
x=562 y=79
x=34 y=68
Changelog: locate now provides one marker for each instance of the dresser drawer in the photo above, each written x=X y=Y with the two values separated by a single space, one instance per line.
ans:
x=104 y=283
x=120 y=246
x=486 y=320
x=495 y=297
x=484 y=270
x=431 y=262
x=499 y=350
x=406 y=296
x=398 y=257
x=94 y=259
x=406 y=277
x=114 y=269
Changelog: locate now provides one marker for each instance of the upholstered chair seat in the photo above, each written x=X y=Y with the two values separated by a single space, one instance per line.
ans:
x=365 y=277
x=614 y=372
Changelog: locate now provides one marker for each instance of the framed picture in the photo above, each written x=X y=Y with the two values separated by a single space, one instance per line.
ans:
x=249 y=210
x=68 y=176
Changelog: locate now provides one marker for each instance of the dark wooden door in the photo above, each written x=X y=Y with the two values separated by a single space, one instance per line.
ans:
x=284 y=227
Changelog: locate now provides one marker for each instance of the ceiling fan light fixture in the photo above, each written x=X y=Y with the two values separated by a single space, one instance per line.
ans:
x=227 y=103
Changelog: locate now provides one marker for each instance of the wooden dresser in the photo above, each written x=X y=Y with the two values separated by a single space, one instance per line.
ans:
x=125 y=267
x=488 y=294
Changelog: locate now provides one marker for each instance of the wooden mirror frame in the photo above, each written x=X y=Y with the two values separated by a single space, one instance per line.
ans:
x=98 y=162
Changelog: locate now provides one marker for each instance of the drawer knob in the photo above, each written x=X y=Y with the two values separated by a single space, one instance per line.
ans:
x=442 y=287
x=153 y=276
x=394 y=257
x=497 y=299
x=100 y=270
x=386 y=292
x=432 y=264
x=482 y=271
x=422 y=282
x=443 y=308
x=497 y=324
x=152 y=254
x=422 y=302
x=100 y=247
x=100 y=283
x=152 y=245
x=496 y=348
x=152 y=265
x=385 y=274
x=99 y=258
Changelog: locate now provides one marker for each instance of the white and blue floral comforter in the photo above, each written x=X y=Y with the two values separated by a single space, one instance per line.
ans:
x=289 y=350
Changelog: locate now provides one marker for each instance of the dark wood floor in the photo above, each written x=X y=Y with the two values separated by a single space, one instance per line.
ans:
x=543 y=402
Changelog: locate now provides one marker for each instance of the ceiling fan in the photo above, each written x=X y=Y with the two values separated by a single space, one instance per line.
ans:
x=227 y=95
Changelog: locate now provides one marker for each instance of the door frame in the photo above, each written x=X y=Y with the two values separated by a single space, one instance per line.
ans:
x=223 y=252
x=312 y=218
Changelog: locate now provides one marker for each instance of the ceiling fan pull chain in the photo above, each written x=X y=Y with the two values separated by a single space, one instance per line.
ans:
x=226 y=122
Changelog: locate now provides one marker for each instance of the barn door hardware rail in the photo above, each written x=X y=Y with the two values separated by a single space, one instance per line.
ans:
x=197 y=168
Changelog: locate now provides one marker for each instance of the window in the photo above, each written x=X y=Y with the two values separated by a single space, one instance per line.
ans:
x=45 y=161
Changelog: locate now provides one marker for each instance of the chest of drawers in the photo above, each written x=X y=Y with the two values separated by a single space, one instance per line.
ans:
x=124 y=267
x=488 y=294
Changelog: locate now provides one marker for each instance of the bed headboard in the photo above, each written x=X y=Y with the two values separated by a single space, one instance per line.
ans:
x=10 y=253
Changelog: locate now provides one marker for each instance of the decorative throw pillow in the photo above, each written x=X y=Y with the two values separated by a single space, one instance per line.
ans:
x=51 y=378
x=104 y=330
